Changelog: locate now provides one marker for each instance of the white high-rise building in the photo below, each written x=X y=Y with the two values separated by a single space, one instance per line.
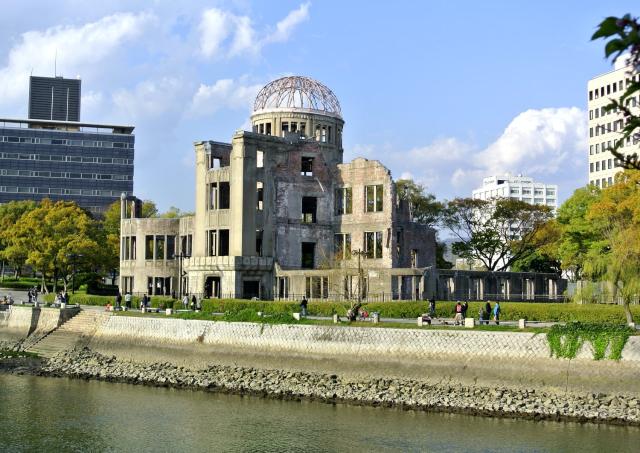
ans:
x=605 y=127
x=518 y=187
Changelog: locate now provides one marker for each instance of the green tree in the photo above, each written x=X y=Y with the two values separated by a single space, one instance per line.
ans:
x=623 y=35
x=496 y=232
x=441 y=262
x=423 y=206
x=576 y=233
x=10 y=214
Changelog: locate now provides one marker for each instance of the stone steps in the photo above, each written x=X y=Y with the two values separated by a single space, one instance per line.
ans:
x=67 y=336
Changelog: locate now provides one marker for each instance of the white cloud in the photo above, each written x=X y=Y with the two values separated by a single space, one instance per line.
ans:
x=150 y=99
x=285 y=27
x=547 y=144
x=225 y=34
x=78 y=48
x=224 y=93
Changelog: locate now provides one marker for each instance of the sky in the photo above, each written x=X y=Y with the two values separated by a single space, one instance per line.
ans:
x=444 y=92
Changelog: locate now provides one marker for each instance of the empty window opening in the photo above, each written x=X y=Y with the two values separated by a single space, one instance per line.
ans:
x=259 y=159
x=294 y=127
x=283 y=287
x=285 y=128
x=323 y=134
x=303 y=132
x=260 y=195
x=225 y=195
x=148 y=247
x=223 y=237
x=309 y=208
x=414 y=258
x=251 y=289
x=259 y=242
x=317 y=287
x=342 y=246
x=171 y=247
x=343 y=200
x=373 y=244
x=306 y=166
x=373 y=195
x=261 y=128
x=212 y=287
x=317 y=134
x=212 y=243
x=267 y=129
x=160 y=249
x=212 y=203
x=215 y=162
x=185 y=246
x=308 y=250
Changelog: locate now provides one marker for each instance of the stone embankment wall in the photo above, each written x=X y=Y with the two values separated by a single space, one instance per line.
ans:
x=468 y=357
x=19 y=322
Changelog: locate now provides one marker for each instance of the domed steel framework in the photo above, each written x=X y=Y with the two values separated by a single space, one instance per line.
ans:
x=297 y=92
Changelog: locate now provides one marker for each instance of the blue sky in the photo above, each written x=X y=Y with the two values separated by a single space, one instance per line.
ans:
x=444 y=92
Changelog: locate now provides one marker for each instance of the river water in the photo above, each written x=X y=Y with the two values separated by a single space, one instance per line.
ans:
x=56 y=415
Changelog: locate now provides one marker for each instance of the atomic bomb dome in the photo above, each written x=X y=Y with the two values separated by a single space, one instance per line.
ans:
x=297 y=92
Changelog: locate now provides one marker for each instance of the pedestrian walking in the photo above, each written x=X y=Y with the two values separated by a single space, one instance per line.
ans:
x=118 y=301
x=127 y=300
x=303 y=306
x=432 y=307
x=496 y=313
x=487 y=312
x=193 y=302
x=185 y=301
x=465 y=307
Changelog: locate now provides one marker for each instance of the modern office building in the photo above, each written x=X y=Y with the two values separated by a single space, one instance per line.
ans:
x=89 y=163
x=518 y=187
x=279 y=215
x=605 y=126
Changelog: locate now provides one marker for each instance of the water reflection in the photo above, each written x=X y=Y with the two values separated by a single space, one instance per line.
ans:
x=68 y=415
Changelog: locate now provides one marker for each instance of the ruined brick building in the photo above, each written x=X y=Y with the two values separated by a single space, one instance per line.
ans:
x=278 y=214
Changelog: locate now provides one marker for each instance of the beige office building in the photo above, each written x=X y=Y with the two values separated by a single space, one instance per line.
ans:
x=605 y=127
x=278 y=214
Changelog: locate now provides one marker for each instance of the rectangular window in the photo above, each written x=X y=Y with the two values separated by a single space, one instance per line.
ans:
x=609 y=163
x=317 y=287
x=309 y=208
x=259 y=242
x=148 y=247
x=342 y=246
x=373 y=244
x=223 y=249
x=212 y=243
x=373 y=198
x=307 y=250
x=343 y=203
x=306 y=166
x=414 y=258
x=259 y=196
x=591 y=167
x=225 y=195
x=598 y=166
x=171 y=247
x=160 y=247
x=213 y=196
x=259 y=159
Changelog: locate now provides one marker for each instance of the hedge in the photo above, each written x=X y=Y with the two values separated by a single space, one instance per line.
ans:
x=90 y=299
x=510 y=311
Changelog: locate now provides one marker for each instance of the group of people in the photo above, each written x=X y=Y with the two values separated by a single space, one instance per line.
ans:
x=62 y=297
x=127 y=301
x=195 y=304
x=7 y=299
x=485 y=313
x=33 y=294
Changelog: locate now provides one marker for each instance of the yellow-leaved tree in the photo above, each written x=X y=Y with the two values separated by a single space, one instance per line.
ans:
x=616 y=255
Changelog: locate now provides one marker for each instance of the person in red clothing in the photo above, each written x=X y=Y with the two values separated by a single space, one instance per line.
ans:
x=458 y=319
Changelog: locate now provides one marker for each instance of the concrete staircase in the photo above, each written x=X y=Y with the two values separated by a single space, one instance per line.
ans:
x=76 y=331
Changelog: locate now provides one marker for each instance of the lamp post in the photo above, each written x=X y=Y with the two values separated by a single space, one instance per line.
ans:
x=180 y=257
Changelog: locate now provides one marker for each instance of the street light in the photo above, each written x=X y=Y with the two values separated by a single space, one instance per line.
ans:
x=180 y=257
x=74 y=257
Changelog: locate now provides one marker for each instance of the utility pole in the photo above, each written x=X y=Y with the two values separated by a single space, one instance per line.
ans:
x=354 y=308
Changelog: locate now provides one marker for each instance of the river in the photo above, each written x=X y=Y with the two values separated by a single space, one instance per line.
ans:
x=57 y=415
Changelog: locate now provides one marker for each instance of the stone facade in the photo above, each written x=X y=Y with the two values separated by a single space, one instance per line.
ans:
x=278 y=215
